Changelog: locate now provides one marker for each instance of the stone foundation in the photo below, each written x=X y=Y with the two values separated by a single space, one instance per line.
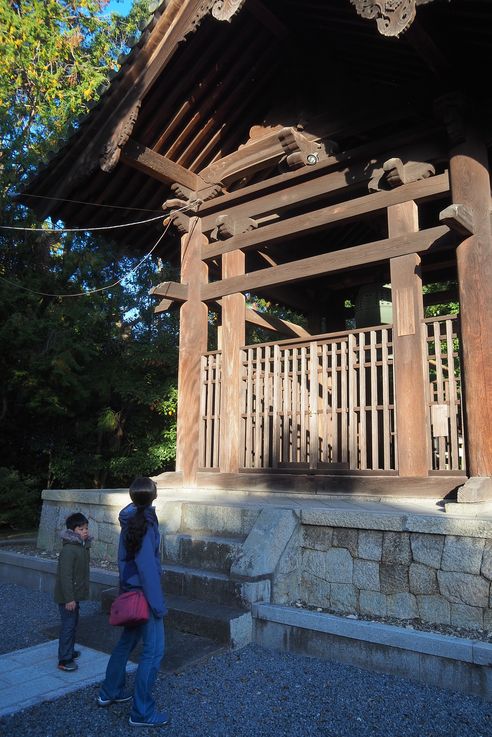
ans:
x=434 y=568
x=354 y=557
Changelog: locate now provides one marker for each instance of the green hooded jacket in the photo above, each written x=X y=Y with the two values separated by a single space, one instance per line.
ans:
x=72 y=575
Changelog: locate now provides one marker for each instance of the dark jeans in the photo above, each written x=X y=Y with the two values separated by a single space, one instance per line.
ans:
x=69 y=621
x=152 y=634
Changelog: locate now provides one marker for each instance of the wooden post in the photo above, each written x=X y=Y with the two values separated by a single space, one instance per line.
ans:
x=470 y=186
x=410 y=386
x=192 y=344
x=232 y=338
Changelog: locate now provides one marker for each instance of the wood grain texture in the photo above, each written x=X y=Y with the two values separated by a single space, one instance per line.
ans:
x=408 y=349
x=192 y=344
x=347 y=258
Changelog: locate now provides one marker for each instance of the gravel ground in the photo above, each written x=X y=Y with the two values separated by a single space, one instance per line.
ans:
x=248 y=693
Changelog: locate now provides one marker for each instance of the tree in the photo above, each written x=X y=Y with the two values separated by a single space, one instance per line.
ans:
x=88 y=388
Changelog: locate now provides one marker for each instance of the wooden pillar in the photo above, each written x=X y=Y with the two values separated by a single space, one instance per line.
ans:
x=232 y=340
x=193 y=327
x=408 y=352
x=470 y=186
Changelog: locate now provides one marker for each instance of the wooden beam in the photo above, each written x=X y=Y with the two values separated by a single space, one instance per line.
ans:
x=163 y=306
x=459 y=218
x=302 y=225
x=408 y=349
x=274 y=323
x=159 y=167
x=470 y=186
x=247 y=160
x=352 y=167
x=233 y=338
x=193 y=334
x=171 y=290
x=346 y=258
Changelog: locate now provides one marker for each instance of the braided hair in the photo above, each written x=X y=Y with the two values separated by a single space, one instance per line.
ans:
x=143 y=491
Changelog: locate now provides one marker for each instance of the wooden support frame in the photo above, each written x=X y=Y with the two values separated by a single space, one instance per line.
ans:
x=338 y=172
x=277 y=324
x=302 y=225
x=408 y=350
x=346 y=258
x=233 y=338
x=470 y=187
x=159 y=167
x=192 y=344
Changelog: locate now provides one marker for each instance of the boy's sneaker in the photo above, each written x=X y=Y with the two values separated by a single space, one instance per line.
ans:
x=76 y=654
x=68 y=665
x=156 y=720
x=104 y=701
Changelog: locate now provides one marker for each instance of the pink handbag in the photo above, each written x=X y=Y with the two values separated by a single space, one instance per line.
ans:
x=129 y=609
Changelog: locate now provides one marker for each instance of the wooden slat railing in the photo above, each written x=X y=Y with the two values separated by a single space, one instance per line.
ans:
x=323 y=403
x=441 y=336
x=328 y=403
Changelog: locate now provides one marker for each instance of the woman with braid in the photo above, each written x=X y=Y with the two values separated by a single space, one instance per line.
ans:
x=139 y=568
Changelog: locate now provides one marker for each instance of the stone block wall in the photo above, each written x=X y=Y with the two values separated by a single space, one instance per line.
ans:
x=438 y=578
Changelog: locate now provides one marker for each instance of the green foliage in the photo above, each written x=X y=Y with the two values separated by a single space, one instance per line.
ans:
x=19 y=495
x=55 y=56
x=446 y=307
x=87 y=384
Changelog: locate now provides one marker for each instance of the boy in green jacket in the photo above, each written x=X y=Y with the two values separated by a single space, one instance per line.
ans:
x=72 y=585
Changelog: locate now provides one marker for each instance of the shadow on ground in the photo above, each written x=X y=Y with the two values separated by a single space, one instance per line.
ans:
x=182 y=649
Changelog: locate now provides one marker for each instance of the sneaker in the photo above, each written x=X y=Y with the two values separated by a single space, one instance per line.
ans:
x=157 y=720
x=104 y=701
x=76 y=654
x=68 y=665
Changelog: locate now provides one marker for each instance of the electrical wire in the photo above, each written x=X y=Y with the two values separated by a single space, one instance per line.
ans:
x=84 y=230
x=17 y=195
x=99 y=289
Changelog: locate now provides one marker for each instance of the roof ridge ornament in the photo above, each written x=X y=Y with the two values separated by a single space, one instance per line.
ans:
x=392 y=16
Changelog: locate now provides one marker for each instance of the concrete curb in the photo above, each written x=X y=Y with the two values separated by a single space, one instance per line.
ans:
x=439 y=660
x=430 y=643
x=39 y=573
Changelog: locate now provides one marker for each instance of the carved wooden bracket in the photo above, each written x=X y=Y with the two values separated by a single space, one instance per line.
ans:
x=395 y=173
x=227 y=226
x=225 y=9
x=392 y=16
x=300 y=151
x=203 y=193
x=112 y=149
x=222 y=10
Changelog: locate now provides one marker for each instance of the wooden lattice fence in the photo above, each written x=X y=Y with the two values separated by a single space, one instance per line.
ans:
x=329 y=403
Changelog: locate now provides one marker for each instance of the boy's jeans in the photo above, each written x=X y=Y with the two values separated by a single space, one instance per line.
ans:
x=69 y=621
x=152 y=633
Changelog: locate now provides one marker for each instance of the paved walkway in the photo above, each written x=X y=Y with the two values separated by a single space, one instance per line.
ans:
x=31 y=676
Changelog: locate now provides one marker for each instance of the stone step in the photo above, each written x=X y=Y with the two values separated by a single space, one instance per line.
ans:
x=218 y=519
x=228 y=625
x=213 y=586
x=209 y=552
x=224 y=624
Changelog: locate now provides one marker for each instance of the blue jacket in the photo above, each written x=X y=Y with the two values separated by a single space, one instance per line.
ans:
x=144 y=571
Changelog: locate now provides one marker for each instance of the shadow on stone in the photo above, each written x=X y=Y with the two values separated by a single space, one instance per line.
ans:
x=182 y=649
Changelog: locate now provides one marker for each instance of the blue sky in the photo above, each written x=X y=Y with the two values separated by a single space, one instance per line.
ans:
x=120 y=6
